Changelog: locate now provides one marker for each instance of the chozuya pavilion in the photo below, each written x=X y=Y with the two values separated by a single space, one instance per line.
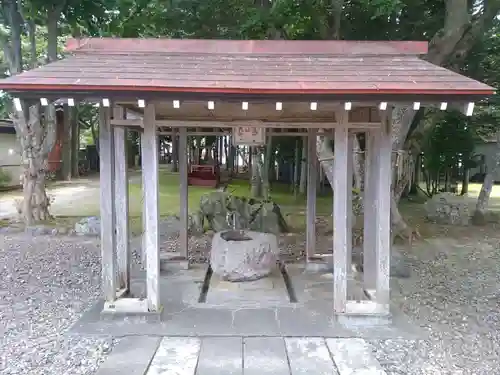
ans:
x=279 y=87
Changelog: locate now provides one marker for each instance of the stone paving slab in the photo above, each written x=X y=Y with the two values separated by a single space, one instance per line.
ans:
x=354 y=357
x=220 y=356
x=175 y=356
x=309 y=355
x=242 y=355
x=265 y=356
x=134 y=352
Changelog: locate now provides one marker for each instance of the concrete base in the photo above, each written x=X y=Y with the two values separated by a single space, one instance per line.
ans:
x=268 y=292
x=317 y=266
x=366 y=308
x=323 y=263
x=351 y=321
x=258 y=308
x=129 y=308
x=174 y=265
x=170 y=261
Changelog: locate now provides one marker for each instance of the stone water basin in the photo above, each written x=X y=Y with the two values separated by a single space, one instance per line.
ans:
x=242 y=255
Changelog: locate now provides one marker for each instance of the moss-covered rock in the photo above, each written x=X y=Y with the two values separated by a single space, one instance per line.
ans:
x=222 y=209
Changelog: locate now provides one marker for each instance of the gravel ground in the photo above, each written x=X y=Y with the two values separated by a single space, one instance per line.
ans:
x=454 y=295
x=45 y=284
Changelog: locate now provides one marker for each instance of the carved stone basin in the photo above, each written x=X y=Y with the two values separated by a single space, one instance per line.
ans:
x=243 y=255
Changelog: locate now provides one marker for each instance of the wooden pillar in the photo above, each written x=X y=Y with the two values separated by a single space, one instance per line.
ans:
x=383 y=236
x=121 y=202
x=312 y=178
x=370 y=209
x=350 y=175
x=107 y=203
x=183 y=171
x=340 y=231
x=150 y=171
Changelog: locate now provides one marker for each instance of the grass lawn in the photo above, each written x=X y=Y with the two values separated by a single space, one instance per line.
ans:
x=86 y=203
x=170 y=203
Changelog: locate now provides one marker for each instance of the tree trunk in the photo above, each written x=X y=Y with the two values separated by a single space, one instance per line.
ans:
x=415 y=183
x=175 y=152
x=236 y=159
x=487 y=187
x=220 y=151
x=255 y=181
x=296 y=168
x=465 y=181
x=95 y=134
x=53 y=15
x=37 y=139
x=357 y=164
x=303 y=167
x=231 y=157
x=266 y=167
x=324 y=152
x=249 y=157
x=226 y=153
x=32 y=37
x=13 y=52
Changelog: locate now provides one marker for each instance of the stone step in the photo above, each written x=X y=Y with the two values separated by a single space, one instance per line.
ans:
x=241 y=355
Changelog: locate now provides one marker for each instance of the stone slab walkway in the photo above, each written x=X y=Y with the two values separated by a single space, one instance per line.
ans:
x=148 y=355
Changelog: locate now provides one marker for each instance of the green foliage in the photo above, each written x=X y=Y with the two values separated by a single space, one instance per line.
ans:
x=5 y=178
x=265 y=19
x=484 y=64
x=382 y=8
x=448 y=145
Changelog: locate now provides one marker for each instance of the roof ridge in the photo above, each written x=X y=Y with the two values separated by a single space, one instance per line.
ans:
x=274 y=47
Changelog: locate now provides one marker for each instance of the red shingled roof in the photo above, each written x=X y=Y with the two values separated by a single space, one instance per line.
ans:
x=255 y=67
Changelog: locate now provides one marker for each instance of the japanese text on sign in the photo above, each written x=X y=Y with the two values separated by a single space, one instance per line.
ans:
x=248 y=135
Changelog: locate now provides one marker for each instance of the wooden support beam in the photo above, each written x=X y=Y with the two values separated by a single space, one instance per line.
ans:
x=220 y=124
x=312 y=178
x=107 y=202
x=121 y=203
x=383 y=238
x=150 y=171
x=340 y=231
x=183 y=171
x=370 y=209
x=144 y=257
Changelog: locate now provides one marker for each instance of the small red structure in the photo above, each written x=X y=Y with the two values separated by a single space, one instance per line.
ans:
x=204 y=175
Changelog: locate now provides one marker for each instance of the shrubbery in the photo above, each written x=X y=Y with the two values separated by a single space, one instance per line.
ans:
x=5 y=178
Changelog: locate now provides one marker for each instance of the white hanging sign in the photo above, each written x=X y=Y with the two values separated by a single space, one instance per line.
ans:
x=249 y=135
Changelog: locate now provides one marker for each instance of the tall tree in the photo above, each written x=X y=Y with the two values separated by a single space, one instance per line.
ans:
x=35 y=130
